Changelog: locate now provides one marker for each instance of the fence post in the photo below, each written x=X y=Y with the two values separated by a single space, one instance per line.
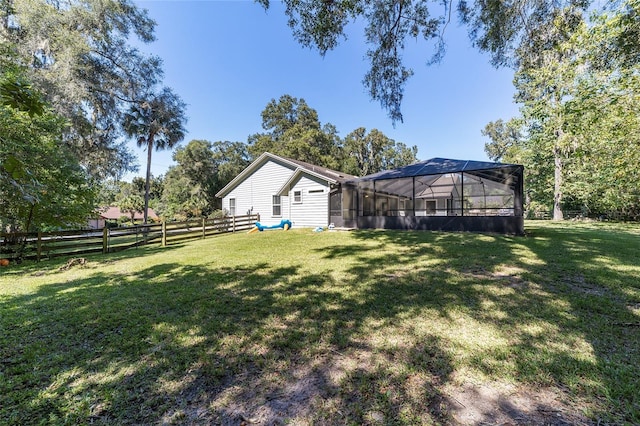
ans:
x=233 y=223
x=164 y=233
x=39 y=246
x=105 y=240
x=204 y=227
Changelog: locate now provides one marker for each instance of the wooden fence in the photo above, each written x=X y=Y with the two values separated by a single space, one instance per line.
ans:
x=46 y=245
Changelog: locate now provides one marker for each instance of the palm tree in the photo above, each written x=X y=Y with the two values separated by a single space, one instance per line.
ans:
x=157 y=122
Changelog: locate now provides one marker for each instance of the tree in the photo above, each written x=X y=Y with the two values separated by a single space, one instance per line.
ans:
x=132 y=204
x=372 y=152
x=157 y=122
x=156 y=185
x=505 y=137
x=500 y=28
x=294 y=130
x=579 y=136
x=77 y=53
x=230 y=159
x=42 y=186
x=197 y=164
x=202 y=169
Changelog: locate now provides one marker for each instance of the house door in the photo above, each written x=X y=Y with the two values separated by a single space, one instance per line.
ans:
x=335 y=209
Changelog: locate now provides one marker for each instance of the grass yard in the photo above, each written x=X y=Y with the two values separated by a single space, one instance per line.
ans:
x=362 y=327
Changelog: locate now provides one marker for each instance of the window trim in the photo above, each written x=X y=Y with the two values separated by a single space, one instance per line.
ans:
x=232 y=206
x=274 y=205
x=299 y=201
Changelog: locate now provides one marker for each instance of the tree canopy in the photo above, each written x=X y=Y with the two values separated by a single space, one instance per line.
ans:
x=42 y=185
x=78 y=55
x=578 y=131
x=157 y=122
x=295 y=131
x=503 y=29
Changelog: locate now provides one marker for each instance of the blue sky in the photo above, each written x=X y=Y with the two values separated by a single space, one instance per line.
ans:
x=228 y=59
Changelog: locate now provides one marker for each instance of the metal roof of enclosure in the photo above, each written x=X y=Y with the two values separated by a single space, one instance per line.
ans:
x=440 y=194
x=437 y=166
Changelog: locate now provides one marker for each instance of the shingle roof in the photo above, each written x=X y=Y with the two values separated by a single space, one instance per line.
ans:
x=328 y=173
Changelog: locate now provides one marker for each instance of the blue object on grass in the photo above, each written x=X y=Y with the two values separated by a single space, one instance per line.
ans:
x=284 y=224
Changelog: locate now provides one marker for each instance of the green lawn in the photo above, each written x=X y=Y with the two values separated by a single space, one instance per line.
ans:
x=362 y=327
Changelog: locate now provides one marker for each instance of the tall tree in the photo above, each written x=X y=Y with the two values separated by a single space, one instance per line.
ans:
x=497 y=27
x=156 y=122
x=294 y=130
x=372 y=152
x=544 y=82
x=202 y=169
x=230 y=159
x=41 y=183
x=78 y=54
x=579 y=140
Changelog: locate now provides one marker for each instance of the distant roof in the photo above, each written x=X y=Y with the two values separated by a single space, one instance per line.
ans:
x=436 y=166
x=113 y=212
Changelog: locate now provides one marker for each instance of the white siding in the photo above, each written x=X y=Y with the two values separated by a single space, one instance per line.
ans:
x=313 y=211
x=254 y=194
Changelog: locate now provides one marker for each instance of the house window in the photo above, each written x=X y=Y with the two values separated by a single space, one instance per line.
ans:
x=431 y=206
x=297 y=197
x=232 y=206
x=277 y=206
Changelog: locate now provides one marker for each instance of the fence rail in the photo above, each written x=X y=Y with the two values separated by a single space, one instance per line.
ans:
x=46 y=245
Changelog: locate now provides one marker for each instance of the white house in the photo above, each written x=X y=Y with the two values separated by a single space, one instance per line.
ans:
x=281 y=188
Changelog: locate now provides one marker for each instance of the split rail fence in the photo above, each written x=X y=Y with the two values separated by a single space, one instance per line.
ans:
x=47 y=245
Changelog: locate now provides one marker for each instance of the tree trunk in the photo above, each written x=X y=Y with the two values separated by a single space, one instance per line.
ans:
x=148 y=179
x=557 y=185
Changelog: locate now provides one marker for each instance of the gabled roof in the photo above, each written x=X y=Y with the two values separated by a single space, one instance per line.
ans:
x=436 y=166
x=331 y=176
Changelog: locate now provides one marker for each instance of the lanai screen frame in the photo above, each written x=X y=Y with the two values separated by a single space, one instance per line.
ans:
x=482 y=197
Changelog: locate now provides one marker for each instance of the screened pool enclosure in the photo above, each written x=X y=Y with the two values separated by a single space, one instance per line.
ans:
x=436 y=194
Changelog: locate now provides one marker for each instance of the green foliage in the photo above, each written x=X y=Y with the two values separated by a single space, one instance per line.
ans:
x=578 y=134
x=42 y=185
x=78 y=55
x=230 y=159
x=500 y=28
x=373 y=152
x=294 y=131
x=132 y=204
x=157 y=121
x=203 y=169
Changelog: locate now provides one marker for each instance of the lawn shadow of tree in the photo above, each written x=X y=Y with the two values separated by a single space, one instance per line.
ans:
x=192 y=344
x=579 y=283
x=187 y=344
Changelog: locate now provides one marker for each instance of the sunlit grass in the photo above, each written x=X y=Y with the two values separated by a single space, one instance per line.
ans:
x=332 y=327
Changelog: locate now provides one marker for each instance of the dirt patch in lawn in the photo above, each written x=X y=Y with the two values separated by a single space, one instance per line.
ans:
x=494 y=404
x=338 y=390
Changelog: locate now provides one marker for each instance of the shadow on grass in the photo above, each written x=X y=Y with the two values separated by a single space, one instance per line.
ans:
x=52 y=265
x=567 y=295
x=185 y=344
